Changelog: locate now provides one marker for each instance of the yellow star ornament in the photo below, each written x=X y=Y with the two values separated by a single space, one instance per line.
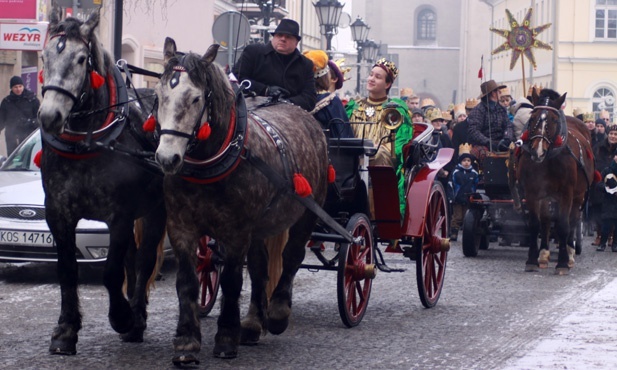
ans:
x=521 y=39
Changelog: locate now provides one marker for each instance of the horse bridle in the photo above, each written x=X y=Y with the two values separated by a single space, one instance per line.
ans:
x=77 y=102
x=542 y=119
x=192 y=137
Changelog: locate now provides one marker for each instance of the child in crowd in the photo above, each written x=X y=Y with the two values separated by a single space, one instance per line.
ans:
x=464 y=182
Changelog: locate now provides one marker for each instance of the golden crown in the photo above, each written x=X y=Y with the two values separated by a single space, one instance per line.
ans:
x=459 y=108
x=340 y=63
x=388 y=66
x=589 y=116
x=471 y=103
x=464 y=148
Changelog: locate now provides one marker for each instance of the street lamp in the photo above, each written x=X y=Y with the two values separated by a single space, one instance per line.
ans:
x=359 y=33
x=329 y=14
x=267 y=8
x=372 y=51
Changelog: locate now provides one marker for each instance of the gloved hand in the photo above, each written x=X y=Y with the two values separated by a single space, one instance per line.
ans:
x=277 y=92
x=494 y=145
x=504 y=144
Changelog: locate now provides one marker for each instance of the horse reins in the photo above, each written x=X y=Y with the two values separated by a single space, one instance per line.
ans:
x=543 y=119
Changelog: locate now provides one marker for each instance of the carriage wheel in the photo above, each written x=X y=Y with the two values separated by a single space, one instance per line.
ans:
x=432 y=248
x=474 y=237
x=356 y=270
x=209 y=273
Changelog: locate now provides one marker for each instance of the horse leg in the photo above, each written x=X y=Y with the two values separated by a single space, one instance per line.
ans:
x=534 y=226
x=258 y=266
x=120 y=236
x=153 y=227
x=227 y=336
x=187 y=341
x=65 y=335
x=279 y=308
x=563 y=229
x=545 y=233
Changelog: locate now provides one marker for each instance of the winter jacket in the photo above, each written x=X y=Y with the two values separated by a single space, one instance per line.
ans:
x=330 y=112
x=522 y=111
x=264 y=67
x=464 y=182
x=18 y=116
x=609 y=203
x=488 y=121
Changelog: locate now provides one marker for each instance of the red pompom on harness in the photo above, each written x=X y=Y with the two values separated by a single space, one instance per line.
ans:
x=597 y=177
x=41 y=76
x=525 y=136
x=301 y=185
x=96 y=80
x=331 y=174
x=150 y=124
x=39 y=154
x=204 y=131
x=558 y=141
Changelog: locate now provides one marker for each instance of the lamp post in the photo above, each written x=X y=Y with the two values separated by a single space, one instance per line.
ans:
x=359 y=33
x=372 y=51
x=267 y=8
x=329 y=14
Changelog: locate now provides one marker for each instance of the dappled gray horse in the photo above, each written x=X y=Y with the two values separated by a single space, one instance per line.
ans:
x=231 y=175
x=84 y=113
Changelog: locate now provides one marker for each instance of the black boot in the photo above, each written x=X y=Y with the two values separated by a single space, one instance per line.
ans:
x=453 y=234
x=601 y=247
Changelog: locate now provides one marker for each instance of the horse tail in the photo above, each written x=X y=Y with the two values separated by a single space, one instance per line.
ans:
x=274 y=246
x=160 y=256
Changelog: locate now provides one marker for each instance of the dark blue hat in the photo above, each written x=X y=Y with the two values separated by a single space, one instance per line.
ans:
x=16 y=80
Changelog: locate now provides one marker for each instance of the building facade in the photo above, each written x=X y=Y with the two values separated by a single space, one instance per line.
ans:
x=583 y=35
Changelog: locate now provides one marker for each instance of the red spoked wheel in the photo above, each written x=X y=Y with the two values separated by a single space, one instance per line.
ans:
x=209 y=273
x=432 y=248
x=356 y=270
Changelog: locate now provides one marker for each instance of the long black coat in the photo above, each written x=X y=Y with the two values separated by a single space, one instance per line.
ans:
x=18 y=116
x=263 y=66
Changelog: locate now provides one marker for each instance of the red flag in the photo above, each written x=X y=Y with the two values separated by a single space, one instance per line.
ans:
x=480 y=74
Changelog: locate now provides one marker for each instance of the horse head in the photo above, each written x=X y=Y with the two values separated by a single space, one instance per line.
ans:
x=194 y=106
x=73 y=67
x=544 y=129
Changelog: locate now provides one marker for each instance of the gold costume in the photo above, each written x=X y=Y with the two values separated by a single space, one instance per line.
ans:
x=366 y=110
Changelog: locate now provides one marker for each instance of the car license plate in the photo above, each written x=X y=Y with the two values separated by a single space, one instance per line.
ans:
x=32 y=238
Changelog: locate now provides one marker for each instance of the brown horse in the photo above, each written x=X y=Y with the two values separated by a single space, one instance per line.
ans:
x=556 y=167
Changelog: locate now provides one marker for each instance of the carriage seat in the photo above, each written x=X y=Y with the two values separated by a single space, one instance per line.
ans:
x=345 y=155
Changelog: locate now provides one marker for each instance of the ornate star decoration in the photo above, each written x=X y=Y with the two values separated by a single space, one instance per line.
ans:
x=521 y=39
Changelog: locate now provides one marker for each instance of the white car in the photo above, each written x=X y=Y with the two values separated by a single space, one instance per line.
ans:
x=24 y=234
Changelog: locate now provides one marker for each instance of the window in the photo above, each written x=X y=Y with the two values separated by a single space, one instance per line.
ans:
x=604 y=98
x=606 y=19
x=427 y=25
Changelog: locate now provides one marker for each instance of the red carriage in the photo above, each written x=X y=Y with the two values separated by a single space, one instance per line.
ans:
x=421 y=235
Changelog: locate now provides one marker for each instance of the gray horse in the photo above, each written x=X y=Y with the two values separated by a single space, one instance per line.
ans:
x=230 y=174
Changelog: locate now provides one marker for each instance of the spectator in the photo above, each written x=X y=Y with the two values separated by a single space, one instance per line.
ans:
x=603 y=156
x=521 y=111
x=609 y=207
x=601 y=129
x=278 y=69
x=18 y=114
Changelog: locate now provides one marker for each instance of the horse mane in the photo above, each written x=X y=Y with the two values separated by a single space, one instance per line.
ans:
x=208 y=76
x=548 y=95
x=101 y=59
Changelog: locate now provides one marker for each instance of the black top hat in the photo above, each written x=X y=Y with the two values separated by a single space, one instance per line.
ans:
x=488 y=87
x=288 y=27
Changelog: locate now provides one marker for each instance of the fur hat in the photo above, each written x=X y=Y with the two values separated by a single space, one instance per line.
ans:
x=610 y=184
x=16 y=80
x=387 y=66
x=320 y=62
x=288 y=27
x=488 y=87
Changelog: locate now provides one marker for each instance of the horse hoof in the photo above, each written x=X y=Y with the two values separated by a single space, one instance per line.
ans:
x=277 y=327
x=225 y=351
x=543 y=264
x=133 y=336
x=531 y=268
x=60 y=347
x=561 y=271
x=184 y=360
x=249 y=337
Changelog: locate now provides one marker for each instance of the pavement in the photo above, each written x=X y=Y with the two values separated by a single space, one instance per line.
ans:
x=585 y=339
